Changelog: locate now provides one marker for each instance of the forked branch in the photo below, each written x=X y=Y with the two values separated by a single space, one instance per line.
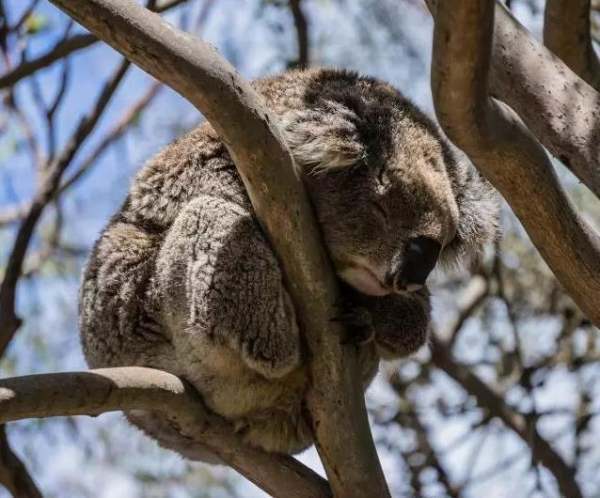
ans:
x=493 y=403
x=503 y=149
x=195 y=70
x=63 y=49
x=559 y=108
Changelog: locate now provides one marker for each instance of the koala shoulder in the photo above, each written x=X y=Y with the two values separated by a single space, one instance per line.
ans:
x=197 y=163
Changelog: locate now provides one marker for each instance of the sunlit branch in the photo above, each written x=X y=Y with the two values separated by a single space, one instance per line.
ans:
x=568 y=33
x=196 y=71
x=136 y=388
x=503 y=149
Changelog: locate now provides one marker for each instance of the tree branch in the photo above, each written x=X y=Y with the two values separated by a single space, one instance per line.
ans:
x=16 y=213
x=63 y=49
x=195 y=70
x=14 y=476
x=137 y=388
x=114 y=134
x=568 y=33
x=25 y=15
x=13 y=213
x=469 y=300
x=301 y=25
x=487 y=399
x=408 y=417
x=555 y=104
x=504 y=150
x=10 y=322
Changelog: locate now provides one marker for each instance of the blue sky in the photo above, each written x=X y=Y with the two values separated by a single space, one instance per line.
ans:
x=96 y=457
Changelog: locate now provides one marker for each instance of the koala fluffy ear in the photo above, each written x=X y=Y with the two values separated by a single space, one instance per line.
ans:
x=323 y=139
x=478 y=212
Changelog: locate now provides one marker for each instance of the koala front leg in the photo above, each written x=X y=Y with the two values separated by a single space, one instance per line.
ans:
x=221 y=284
x=399 y=323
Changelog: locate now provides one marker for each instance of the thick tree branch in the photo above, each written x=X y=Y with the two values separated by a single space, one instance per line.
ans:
x=568 y=33
x=14 y=476
x=504 y=150
x=195 y=70
x=487 y=399
x=137 y=388
x=555 y=104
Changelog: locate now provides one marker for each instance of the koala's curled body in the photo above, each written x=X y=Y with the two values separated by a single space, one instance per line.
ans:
x=184 y=280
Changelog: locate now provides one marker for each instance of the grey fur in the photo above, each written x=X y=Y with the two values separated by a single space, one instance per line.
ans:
x=184 y=280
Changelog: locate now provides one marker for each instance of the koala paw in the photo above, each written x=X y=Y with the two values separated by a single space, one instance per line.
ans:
x=358 y=322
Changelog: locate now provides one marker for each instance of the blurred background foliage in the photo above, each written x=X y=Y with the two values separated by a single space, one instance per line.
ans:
x=503 y=403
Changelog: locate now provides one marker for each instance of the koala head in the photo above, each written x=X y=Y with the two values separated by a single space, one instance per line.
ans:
x=390 y=196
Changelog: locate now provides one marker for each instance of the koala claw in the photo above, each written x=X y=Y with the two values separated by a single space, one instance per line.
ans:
x=359 y=323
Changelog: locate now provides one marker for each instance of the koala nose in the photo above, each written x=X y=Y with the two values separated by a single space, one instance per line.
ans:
x=420 y=256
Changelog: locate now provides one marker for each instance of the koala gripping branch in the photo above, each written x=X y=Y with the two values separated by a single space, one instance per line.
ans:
x=137 y=388
x=195 y=70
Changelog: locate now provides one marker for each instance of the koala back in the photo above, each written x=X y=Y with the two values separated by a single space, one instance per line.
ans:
x=184 y=280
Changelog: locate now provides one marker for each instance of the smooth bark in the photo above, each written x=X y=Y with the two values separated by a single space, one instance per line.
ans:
x=568 y=33
x=195 y=70
x=559 y=108
x=504 y=150
x=136 y=388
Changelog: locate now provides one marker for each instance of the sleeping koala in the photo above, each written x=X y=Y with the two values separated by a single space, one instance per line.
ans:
x=183 y=279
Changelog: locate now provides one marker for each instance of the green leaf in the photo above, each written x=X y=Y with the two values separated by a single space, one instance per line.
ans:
x=35 y=24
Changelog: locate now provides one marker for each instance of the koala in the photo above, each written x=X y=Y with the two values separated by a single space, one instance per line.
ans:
x=183 y=279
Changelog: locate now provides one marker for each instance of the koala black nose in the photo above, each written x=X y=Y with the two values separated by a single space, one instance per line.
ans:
x=420 y=256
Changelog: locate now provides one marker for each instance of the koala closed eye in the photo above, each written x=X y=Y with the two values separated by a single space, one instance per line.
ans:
x=186 y=258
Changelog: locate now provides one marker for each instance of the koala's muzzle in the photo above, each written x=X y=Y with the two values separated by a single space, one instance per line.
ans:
x=419 y=258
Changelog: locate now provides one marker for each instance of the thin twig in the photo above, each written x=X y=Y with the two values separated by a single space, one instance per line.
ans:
x=10 y=322
x=65 y=48
x=303 y=42
x=14 y=475
x=486 y=398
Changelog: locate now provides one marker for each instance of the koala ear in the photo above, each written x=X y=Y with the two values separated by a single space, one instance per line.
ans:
x=323 y=139
x=478 y=211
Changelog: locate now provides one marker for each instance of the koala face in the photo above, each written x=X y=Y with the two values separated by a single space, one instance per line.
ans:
x=386 y=224
x=390 y=198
